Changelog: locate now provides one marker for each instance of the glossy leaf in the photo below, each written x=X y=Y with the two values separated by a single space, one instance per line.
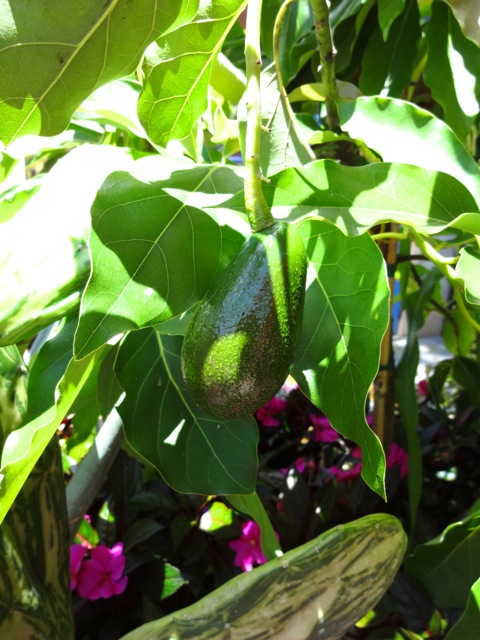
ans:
x=50 y=61
x=468 y=268
x=387 y=65
x=24 y=446
x=448 y=565
x=194 y=452
x=346 y=314
x=44 y=259
x=177 y=69
x=469 y=624
x=388 y=11
x=153 y=256
x=357 y=198
x=402 y=132
x=452 y=70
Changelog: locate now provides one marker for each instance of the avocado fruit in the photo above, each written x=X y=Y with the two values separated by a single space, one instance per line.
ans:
x=241 y=341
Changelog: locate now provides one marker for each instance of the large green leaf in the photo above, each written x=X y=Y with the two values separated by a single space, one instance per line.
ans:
x=13 y=391
x=469 y=624
x=194 y=452
x=448 y=565
x=402 y=132
x=468 y=268
x=52 y=57
x=177 y=70
x=388 y=11
x=346 y=314
x=153 y=254
x=24 y=446
x=357 y=198
x=452 y=70
x=44 y=257
x=387 y=64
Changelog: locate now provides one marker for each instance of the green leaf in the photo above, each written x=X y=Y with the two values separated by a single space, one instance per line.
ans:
x=357 y=198
x=51 y=60
x=194 y=452
x=24 y=446
x=402 y=132
x=458 y=334
x=387 y=65
x=153 y=255
x=13 y=391
x=281 y=142
x=452 y=70
x=44 y=256
x=388 y=11
x=405 y=390
x=466 y=12
x=340 y=10
x=346 y=314
x=177 y=70
x=448 y=565
x=469 y=624
x=468 y=268
x=173 y=580
x=217 y=517
x=253 y=507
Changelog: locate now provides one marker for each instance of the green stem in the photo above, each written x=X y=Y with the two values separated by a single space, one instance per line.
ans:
x=258 y=212
x=327 y=51
x=390 y=235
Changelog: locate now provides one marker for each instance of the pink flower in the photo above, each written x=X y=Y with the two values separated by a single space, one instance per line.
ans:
x=422 y=388
x=275 y=405
x=77 y=552
x=247 y=547
x=300 y=465
x=101 y=576
x=347 y=472
x=322 y=429
x=398 y=457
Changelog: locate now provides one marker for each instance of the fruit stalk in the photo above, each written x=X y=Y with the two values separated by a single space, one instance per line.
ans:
x=258 y=212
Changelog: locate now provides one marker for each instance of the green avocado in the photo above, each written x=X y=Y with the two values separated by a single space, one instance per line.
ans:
x=241 y=342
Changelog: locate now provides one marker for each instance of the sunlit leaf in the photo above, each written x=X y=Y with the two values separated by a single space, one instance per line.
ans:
x=466 y=12
x=388 y=11
x=469 y=624
x=346 y=314
x=468 y=268
x=50 y=61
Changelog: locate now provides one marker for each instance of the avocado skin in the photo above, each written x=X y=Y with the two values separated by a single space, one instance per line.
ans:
x=241 y=342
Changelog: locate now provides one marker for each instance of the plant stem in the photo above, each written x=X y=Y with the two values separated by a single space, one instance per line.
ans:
x=327 y=51
x=86 y=482
x=258 y=212
x=387 y=235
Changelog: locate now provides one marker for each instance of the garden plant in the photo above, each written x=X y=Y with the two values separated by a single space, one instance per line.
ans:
x=213 y=214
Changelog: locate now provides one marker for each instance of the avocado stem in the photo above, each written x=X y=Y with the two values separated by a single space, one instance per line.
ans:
x=258 y=212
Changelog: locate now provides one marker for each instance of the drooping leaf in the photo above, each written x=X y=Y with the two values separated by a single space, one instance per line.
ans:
x=448 y=565
x=177 y=68
x=468 y=268
x=50 y=60
x=349 y=32
x=44 y=257
x=253 y=507
x=469 y=624
x=13 y=391
x=24 y=446
x=387 y=65
x=388 y=11
x=402 y=132
x=194 y=452
x=340 y=10
x=452 y=70
x=345 y=317
x=153 y=255
x=281 y=142
x=357 y=198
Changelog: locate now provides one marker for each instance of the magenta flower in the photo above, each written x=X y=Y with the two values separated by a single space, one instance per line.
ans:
x=422 y=388
x=322 y=429
x=300 y=465
x=346 y=472
x=247 y=547
x=77 y=553
x=398 y=457
x=265 y=415
x=101 y=576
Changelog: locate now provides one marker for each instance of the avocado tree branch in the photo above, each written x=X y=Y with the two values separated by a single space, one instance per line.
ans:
x=258 y=212
x=327 y=51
